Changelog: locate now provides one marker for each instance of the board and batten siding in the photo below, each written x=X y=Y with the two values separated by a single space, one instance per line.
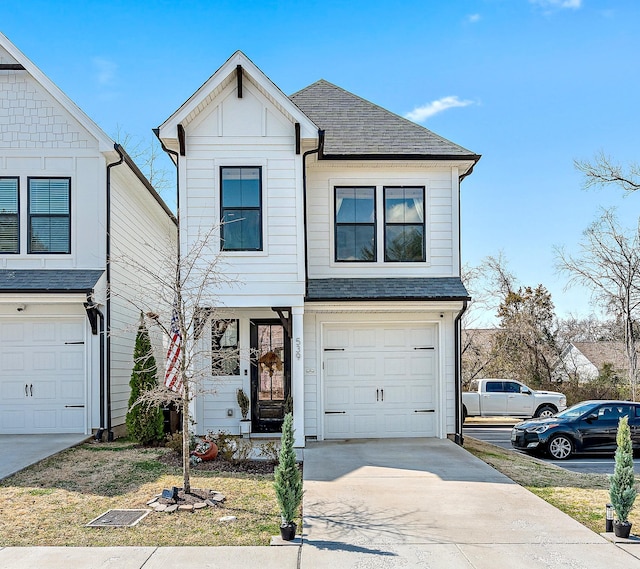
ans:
x=142 y=234
x=250 y=131
x=441 y=236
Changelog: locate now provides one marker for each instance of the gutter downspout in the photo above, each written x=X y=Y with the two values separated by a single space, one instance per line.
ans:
x=457 y=330
x=91 y=306
x=110 y=437
x=317 y=151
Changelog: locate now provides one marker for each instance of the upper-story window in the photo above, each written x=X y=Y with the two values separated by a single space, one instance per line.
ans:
x=241 y=208
x=9 y=216
x=404 y=224
x=49 y=215
x=355 y=224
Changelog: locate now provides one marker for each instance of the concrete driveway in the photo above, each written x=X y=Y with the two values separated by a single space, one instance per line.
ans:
x=19 y=451
x=428 y=503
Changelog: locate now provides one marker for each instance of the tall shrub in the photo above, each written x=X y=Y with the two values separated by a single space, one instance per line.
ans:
x=288 y=480
x=622 y=489
x=145 y=421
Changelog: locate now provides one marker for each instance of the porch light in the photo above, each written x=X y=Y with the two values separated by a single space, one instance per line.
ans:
x=609 y=516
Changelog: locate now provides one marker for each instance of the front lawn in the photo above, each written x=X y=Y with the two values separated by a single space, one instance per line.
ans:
x=582 y=496
x=50 y=503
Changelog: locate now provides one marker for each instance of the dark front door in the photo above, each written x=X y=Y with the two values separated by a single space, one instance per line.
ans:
x=270 y=375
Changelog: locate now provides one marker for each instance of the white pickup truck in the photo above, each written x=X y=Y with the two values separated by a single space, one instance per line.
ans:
x=509 y=398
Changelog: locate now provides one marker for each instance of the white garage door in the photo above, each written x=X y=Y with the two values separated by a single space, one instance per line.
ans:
x=42 y=376
x=380 y=381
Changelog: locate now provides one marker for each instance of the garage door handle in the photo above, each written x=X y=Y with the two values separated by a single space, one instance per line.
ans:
x=424 y=411
x=334 y=349
x=426 y=348
x=74 y=406
x=335 y=412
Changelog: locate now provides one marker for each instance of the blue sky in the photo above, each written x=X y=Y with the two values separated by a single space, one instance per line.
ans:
x=529 y=84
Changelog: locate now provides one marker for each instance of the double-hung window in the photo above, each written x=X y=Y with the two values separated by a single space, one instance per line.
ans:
x=241 y=208
x=9 y=216
x=404 y=224
x=49 y=215
x=225 y=358
x=355 y=224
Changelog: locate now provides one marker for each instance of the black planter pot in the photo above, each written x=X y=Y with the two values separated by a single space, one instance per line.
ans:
x=621 y=529
x=288 y=531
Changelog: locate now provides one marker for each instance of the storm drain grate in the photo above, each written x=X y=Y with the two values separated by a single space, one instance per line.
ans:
x=118 y=518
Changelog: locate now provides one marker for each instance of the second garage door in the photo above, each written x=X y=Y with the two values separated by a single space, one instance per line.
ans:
x=42 y=375
x=380 y=380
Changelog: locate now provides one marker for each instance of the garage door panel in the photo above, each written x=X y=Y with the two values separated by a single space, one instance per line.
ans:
x=365 y=425
x=44 y=332
x=12 y=333
x=337 y=367
x=44 y=360
x=364 y=338
x=380 y=360
x=394 y=365
x=338 y=396
x=43 y=379
x=12 y=361
x=364 y=395
x=364 y=367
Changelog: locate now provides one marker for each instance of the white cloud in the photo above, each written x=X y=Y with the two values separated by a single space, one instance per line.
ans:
x=105 y=70
x=420 y=114
x=473 y=18
x=558 y=4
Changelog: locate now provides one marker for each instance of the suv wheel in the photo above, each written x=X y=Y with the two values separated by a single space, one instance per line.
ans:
x=545 y=411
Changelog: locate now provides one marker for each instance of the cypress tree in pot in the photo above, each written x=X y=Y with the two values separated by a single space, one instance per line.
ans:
x=288 y=481
x=622 y=489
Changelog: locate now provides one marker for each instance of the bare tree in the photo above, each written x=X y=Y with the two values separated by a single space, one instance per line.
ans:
x=603 y=171
x=150 y=158
x=180 y=298
x=609 y=265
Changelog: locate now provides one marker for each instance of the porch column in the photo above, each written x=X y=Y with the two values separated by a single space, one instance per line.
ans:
x=297 y=373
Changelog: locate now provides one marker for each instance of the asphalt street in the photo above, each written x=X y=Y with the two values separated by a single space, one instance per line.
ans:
x=588 y=464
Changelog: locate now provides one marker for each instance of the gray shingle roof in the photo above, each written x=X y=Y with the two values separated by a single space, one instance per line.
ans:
x=445 y=288
x=355 y=127
x=48 y=280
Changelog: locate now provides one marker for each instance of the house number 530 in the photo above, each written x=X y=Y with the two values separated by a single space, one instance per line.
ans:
x=298 y=348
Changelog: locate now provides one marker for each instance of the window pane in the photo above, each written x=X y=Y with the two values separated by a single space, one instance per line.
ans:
x=404 y=243
x=355 y=243
x=9 y=215
x=240 y=187
x=355 y=205
x=49 y=234
x=404 y=205
x=49 y=196
x=8 y=233
x=241 y=230
x=225 y=358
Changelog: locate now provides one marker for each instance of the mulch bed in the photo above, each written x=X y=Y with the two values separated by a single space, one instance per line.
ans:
x=221 y=465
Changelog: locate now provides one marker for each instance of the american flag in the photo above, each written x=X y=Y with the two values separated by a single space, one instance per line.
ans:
x=172 y=377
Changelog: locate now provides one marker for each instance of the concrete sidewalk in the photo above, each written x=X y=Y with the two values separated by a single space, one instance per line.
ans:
x=420 y=503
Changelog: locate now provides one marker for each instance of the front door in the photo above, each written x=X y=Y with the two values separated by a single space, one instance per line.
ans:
x=270 y=375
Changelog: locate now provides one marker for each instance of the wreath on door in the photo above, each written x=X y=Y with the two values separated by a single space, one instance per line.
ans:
x=271 y=362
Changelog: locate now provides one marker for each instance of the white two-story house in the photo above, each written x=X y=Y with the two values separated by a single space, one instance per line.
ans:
x=69 y=198
x=340 y=224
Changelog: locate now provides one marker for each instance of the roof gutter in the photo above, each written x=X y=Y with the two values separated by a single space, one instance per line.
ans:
x=457 y=331
x=105 y=393
x=317 y=151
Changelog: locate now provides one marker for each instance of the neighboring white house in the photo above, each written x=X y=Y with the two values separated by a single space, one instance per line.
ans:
x=585 y=360
x=68 y=197
x=341 y=223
